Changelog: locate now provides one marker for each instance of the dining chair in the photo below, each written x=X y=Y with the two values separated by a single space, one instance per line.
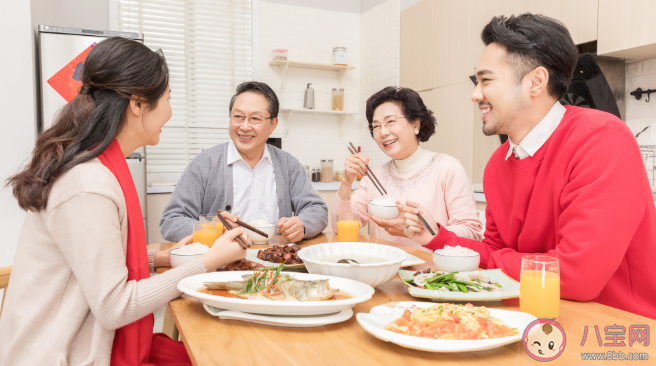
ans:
x=5 y=272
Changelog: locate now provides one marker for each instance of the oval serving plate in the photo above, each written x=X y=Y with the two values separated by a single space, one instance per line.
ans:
x=359 y=291
x=375 y=321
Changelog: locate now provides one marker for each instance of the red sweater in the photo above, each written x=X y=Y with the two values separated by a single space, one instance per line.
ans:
x=584 y=198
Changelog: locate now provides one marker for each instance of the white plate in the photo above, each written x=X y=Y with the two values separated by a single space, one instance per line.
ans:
x=375 y=321
x=509 y=289
x=282 y=321
x=412 y=260
x=359 y=291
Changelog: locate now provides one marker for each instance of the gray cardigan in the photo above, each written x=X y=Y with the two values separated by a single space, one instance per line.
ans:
x=206 y=185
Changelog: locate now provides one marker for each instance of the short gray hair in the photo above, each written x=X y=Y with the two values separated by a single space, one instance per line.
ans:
x=259 y=88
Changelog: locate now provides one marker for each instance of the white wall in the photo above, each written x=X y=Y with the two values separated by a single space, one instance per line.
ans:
x=372 y=40
x=380 y=38
x=639 y=113
x=310 y=35
x=17 y=121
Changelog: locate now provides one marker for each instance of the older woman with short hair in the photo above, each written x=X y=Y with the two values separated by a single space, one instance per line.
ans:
x=398 y=122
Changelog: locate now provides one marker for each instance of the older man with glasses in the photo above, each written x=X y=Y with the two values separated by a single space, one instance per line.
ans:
x=247 y=177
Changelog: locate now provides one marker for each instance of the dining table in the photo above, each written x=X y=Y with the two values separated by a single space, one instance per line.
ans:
x=212 y=341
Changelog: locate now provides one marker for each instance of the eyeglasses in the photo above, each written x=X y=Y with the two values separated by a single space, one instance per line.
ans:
x=388 y=123
x=239 y=119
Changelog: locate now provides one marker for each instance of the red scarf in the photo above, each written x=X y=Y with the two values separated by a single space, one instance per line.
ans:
x=131 y=342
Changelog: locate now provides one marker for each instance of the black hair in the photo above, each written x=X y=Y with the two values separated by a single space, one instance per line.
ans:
x=411 y=104
x=115 y=71
x=534 y=40
x=259 y=88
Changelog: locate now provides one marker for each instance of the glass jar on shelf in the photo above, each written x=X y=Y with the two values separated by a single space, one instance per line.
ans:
x=337 y=99
x=316 y=175
x=327 y=170
x=339 y=175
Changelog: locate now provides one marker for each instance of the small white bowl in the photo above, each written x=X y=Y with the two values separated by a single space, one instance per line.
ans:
x=383 y=212
x=373 y=274
x=259 y=239
x=177 y=260
x=450 y=263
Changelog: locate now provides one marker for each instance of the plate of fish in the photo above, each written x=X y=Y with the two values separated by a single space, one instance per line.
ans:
x=270 y=291
x=485 y=285
x=444 y=327
x=302 y=321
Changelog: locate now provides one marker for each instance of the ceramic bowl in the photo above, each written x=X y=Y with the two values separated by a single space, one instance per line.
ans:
x=373 y=274
x=450 y=263
x=259 y=239
x=383 y=212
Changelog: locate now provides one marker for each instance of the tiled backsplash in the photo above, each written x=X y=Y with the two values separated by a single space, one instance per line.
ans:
x=372 y=42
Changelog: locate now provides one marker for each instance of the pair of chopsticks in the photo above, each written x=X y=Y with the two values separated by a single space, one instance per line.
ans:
x=249 y=227
x=228 y=225
x=374 y=180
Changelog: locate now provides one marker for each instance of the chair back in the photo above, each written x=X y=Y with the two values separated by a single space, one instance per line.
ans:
x=5 y=272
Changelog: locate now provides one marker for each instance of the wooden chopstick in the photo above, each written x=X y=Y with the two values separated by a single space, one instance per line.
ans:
x=369 y=170
x=383 y=190
x=249 y=227
x=368 y=175
x=229 y=226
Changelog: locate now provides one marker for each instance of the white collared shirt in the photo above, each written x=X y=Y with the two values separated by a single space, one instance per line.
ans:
x=253 y=190
x=538 y=135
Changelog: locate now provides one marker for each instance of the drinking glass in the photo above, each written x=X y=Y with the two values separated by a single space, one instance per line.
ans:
x=205 y=233
x=210 y=218
x=539 y=286
x=348 y=226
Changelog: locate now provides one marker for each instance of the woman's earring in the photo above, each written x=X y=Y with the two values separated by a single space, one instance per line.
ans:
x=416 y=132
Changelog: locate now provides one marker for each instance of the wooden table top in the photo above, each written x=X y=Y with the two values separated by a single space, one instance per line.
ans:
x=211 y=341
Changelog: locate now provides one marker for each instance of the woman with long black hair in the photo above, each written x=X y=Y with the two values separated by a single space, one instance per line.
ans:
x=80 y=291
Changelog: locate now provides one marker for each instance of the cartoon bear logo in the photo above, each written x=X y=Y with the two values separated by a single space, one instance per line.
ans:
x=544 y=340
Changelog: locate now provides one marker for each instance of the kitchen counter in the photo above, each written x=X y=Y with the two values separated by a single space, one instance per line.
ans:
x=318 y=186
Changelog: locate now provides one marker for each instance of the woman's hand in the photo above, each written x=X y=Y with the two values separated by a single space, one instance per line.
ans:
x=354 y=166
x=414 y=229
x=224 y=250
x=162 y=256
x=394 y=226
x=228 y=216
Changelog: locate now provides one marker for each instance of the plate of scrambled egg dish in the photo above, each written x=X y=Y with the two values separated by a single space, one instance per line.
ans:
x=444 y=327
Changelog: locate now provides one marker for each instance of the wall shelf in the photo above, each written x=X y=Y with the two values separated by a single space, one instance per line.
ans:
x=286 y=64
x=288 y=112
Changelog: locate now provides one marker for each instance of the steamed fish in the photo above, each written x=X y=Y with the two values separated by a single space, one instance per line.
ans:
x=269 y=283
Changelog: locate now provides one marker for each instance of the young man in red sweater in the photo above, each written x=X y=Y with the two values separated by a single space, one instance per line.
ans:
x=569 y=182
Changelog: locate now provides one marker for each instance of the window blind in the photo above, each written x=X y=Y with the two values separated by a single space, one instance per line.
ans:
x=208 y=48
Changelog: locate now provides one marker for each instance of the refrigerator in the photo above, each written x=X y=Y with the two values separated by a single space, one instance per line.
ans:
x=62 y=51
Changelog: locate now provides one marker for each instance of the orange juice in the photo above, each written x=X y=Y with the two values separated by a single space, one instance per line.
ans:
x=205 y=236
x=347 y=230
x=539 y=293
x=208 y=225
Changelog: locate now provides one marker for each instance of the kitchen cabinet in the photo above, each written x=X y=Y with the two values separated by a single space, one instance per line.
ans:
x=416 y=42
x=580 y=16
x=627 y=29
x=454 y=112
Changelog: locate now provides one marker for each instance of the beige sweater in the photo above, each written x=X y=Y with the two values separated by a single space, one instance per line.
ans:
x=69 y=290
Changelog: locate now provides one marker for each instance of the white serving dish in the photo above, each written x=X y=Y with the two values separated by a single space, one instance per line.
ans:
x=383 y=212
x=176 y=260
x=450 y=263
x=360 y=292
x=281 y=321
x=259 y=239
x=375 y=321
x=509 y=289
x=373 y=274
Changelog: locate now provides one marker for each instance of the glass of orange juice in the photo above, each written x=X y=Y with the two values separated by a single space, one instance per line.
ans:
x=539 y=286
x=348 y=226
x=210 y=218
x=205 y=233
